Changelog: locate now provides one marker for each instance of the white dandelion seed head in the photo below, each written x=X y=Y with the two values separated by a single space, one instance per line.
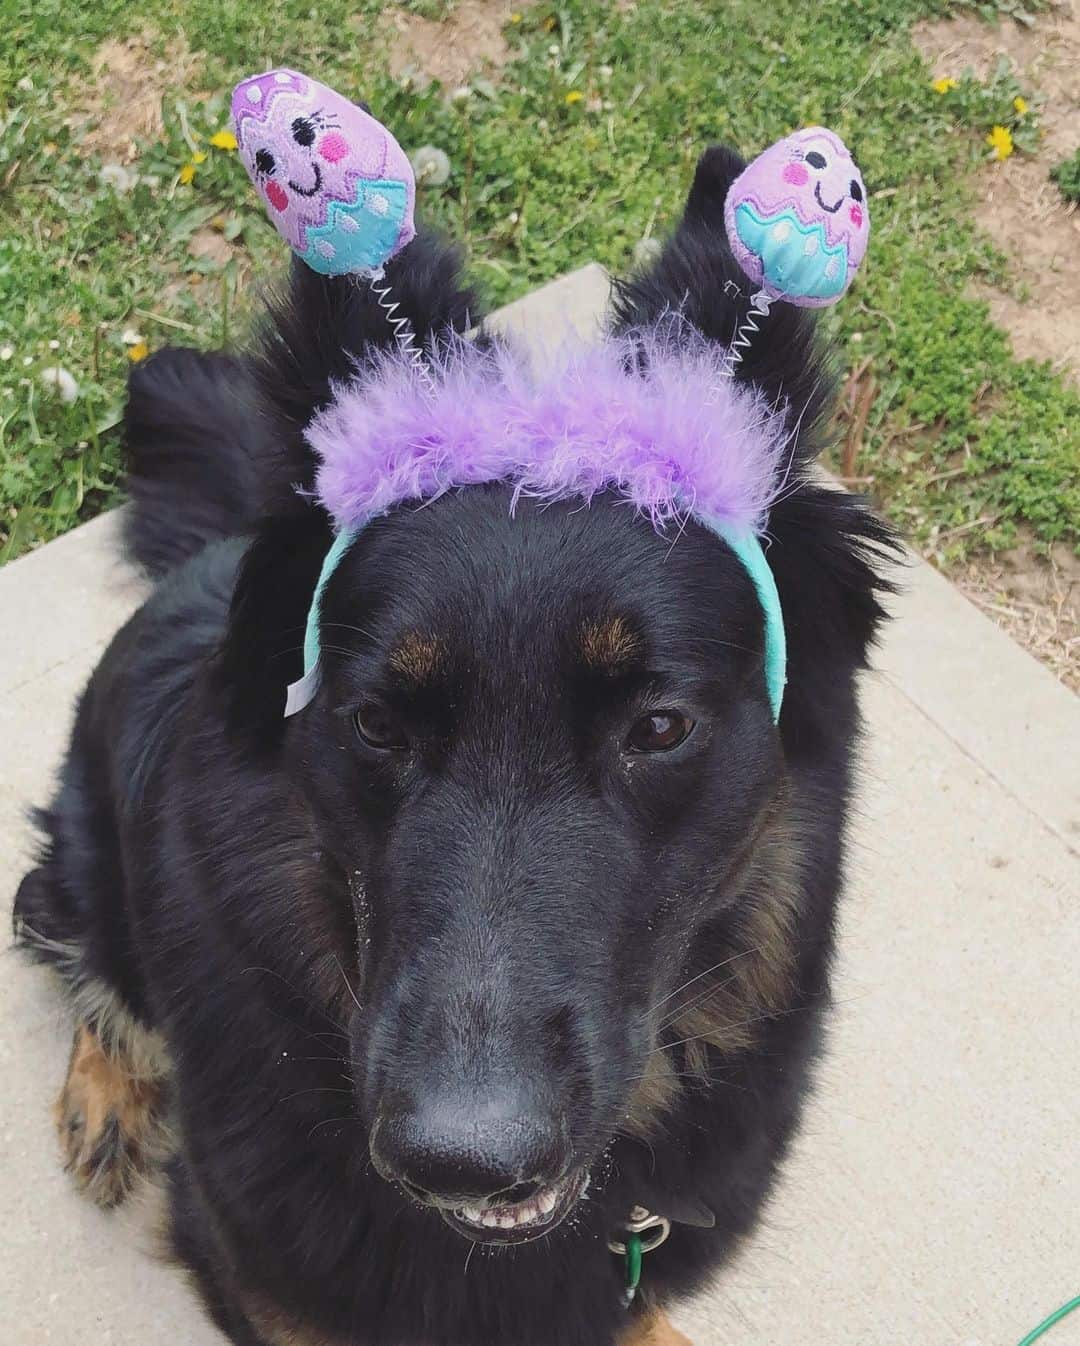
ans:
x=56 y=379
x=431 y=165
x=117 y=177
x=646 y=251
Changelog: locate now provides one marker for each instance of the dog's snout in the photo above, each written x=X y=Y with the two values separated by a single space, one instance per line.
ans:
x=469 y=1145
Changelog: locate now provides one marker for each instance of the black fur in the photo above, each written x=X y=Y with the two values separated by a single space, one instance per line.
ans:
x=514 y=898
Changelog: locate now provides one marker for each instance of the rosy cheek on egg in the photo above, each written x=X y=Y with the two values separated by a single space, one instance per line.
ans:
x=277 y=196
x=796 y=174
x=333 y=147
x=855 y=215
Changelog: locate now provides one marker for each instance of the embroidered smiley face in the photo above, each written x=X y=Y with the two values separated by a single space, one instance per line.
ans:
x=797 y=218
x=324 y=167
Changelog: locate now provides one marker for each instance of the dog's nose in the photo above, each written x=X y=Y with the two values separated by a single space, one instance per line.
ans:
x=448 y=1148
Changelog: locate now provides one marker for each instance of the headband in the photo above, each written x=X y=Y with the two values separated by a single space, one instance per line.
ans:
x=645 y=418
x=658 y=422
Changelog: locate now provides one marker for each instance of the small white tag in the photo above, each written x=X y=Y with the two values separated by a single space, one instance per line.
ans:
x=302 y=692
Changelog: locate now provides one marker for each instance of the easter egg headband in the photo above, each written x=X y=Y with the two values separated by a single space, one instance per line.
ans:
x=684 y=440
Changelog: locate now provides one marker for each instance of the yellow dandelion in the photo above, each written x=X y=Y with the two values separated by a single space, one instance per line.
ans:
x=1021 y=104
x=187 y=174
x=574 y=96
x=223 y=140
x=199 y=157
x=516 y=17
x=1001 y=142
x=944 y=84
x=138 y=352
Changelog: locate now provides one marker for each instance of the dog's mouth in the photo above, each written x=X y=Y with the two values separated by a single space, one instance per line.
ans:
x=520 y=1221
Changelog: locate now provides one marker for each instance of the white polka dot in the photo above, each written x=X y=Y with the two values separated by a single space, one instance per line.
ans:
x=282 y=78
x=810 y=246
x=378 y=203
x=832 y=266
x=347 y=224
x=325 y=248
x=253 y=93
x=782 y=232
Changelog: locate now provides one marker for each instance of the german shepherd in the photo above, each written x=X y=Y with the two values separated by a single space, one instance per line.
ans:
x=419 y=1002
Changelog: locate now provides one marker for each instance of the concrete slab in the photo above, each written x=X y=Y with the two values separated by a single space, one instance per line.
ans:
x=932 y=1196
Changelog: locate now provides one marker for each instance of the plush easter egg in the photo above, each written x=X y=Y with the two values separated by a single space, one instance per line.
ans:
x=337 y=185
x=797 y=218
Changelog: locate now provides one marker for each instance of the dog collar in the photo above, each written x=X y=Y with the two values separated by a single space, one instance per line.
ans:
x=647 y=417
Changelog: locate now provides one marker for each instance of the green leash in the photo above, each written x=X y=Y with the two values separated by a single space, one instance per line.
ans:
x=1048 y=1323
x=645 y=1231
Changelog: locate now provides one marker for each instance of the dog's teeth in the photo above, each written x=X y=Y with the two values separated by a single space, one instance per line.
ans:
x=472 y=1213
x=506 y=1221
x=547 y=1200
x=490 y=1218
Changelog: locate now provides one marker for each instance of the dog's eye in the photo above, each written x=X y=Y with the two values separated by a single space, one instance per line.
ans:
x=379 y=729
x=660 y=731
x=264 y=162
x=815 y=160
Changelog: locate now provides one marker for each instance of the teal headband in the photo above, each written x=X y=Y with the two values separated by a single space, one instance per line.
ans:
x=744 y=544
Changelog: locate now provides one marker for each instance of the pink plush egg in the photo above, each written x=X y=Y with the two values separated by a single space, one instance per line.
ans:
x=336 y=184
x=797 y=218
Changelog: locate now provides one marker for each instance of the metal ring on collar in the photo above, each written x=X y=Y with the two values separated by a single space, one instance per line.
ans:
x=642 y=1222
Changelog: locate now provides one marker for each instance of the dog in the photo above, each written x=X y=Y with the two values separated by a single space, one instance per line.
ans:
x=513 y=947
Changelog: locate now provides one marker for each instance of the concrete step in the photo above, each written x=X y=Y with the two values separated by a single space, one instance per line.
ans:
x=933 y=1193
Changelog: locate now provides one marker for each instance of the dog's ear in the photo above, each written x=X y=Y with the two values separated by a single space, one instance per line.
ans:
x=831 y=557
x=697 y=277
x=827 y=551
x=263 y=648
x=323 y=330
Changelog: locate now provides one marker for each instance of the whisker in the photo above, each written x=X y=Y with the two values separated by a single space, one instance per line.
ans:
x=693 y=1004
x=715 y=968
x=316 y=1089
x=330 y=1121
x=742 y=1023
x=348 y=987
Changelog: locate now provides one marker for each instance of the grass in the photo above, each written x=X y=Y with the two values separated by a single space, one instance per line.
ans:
x=1067 y=176
x=965 y=446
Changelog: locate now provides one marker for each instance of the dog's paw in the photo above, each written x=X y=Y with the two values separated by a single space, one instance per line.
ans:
x=108 y=1120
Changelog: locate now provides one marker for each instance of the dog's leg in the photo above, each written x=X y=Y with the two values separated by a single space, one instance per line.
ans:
x=109 y=1115
x=653 y=1329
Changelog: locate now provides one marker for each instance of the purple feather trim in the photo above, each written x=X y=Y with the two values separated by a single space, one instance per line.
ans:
x=679 y=440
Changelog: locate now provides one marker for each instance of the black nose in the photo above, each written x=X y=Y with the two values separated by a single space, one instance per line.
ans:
x=449 y=1148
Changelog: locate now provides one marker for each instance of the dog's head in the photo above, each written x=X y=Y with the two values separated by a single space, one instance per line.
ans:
x=543 y=761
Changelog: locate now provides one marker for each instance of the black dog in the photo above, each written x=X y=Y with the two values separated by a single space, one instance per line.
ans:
x=525 y=922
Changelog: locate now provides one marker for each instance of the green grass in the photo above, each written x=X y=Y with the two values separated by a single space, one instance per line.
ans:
x=1067 y=176
x=965 y=444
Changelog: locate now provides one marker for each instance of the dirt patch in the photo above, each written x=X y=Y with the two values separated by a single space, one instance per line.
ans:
x=1018 y=205
x=1036 y=600
x=212 y=244
x=468 y=41
x=121 y=104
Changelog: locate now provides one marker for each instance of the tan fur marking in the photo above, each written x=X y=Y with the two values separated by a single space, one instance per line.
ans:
x=653 y=1096
x=653 y=1329
x=278 y=1329
x=417 y=657
x=609 y=644
x=109 y=1119
x=725 y=1011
